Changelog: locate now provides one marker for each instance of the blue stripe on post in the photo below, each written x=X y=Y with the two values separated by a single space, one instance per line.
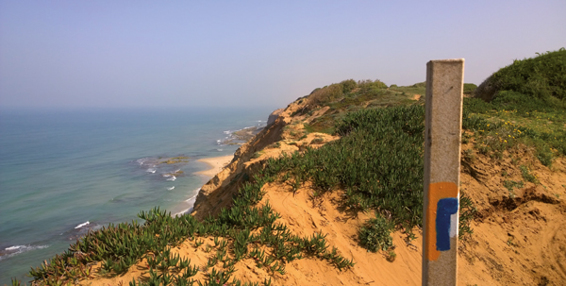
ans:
x=445 y=208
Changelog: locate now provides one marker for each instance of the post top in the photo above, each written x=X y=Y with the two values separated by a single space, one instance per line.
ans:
x=461 y=60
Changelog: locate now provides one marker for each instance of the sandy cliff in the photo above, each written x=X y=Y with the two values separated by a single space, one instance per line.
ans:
x=518 y=239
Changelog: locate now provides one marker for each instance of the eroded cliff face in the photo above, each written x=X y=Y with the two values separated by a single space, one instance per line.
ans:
x=282 y=135
x=217 y=192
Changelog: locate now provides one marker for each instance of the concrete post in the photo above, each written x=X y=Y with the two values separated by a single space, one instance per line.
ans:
x=443 y=122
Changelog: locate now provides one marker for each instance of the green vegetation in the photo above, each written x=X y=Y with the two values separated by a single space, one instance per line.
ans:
x=390 y=183
x=350 y=96
x=376 y=234
x=528 y=103
x=119 y=247
x=510 y=185
x=512 y=120
x=527 y=174
x=469 y=88
x=417 y=88
x=467 y=213
x=378 y=163
x=542 y=77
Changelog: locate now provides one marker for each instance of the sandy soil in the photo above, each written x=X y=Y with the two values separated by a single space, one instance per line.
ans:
x=519 y=236
x=216 y=165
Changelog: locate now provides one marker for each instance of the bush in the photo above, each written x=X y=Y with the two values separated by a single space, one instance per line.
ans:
x=326 y=94
x=543 y=77
x=522 y=103
x=512 y=118
x=376 y=234
x=369 y=85
x=348 y=85
x=469 y=88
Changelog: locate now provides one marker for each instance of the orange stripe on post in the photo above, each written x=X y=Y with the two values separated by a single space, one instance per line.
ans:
x=436 y=192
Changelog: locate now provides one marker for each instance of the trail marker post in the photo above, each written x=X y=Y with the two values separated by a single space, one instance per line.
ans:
x=443 y=123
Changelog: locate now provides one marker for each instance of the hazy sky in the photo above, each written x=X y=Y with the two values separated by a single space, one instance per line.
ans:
x=234 y=53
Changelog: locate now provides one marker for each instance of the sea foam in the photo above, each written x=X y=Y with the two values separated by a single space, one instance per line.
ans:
x=18 y=249
x=82 y=224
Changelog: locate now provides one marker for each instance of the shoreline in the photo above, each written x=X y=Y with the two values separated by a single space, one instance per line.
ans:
x=216 y=165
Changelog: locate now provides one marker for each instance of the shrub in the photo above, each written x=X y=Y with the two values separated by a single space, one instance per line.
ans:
x=523 y=103
x=542 y=76
x=348 y=85
x=469 y=88
x=326 y=94
x=369 y=86
x=514 y=118
x=376 y=234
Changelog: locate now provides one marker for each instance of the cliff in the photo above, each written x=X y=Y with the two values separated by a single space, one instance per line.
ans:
x=517 y=239
x=253 y=224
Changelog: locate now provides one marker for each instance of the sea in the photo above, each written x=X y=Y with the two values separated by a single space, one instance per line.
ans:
x=65 y=172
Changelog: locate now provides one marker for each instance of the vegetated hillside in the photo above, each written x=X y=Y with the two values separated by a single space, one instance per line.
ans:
x=542 y=77
x=331 y=194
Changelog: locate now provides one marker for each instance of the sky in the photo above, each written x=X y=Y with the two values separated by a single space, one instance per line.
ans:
x=130 y=54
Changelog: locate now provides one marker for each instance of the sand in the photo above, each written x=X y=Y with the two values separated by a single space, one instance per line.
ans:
x=519 y=236
x=216 y=165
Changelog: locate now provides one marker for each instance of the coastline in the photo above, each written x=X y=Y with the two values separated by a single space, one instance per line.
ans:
x=216 y=165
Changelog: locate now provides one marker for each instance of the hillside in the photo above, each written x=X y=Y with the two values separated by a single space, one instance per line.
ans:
x=330 y=193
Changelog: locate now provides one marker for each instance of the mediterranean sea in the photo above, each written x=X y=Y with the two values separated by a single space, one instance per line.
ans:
x=63 y=172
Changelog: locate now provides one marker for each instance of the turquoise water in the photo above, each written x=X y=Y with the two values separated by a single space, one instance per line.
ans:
x=65 y=172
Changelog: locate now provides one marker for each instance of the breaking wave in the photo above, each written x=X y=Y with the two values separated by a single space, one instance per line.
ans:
x=19 y=249
x=82 y=224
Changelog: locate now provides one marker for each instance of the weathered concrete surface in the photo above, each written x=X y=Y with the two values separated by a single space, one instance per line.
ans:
x=442 y=168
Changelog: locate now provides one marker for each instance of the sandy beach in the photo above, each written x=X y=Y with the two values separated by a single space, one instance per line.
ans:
x=216 y=165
